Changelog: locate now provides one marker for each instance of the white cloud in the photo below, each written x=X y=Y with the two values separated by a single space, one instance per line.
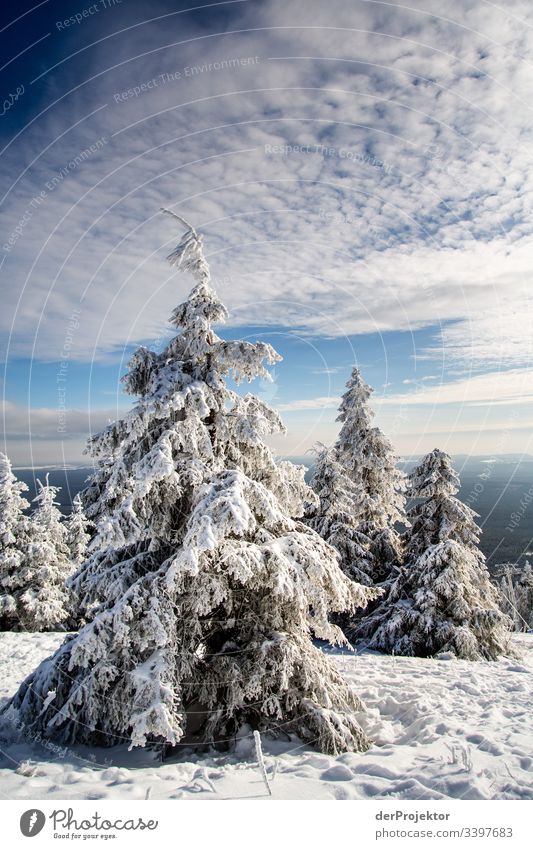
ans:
x=321 y=403
x=45 y=434
x=413 y=211
x=514 y=386
x=416 y=381
x=52 y=422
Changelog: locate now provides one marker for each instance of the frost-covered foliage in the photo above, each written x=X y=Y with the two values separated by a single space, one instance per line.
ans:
x=516 y=593
x=202 y=592
x=12 y=503
x=14 y=535
x=77 y=538
x=369 y=458
x=46 y=598
x=371 y=500
x=443 y=599
x=77 y=531
x=333 y=517
x=34 y=595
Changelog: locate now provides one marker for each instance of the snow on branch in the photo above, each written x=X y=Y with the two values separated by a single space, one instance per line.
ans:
x=188 y=255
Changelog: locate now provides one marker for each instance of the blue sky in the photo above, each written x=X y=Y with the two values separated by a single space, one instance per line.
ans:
x=361 y=173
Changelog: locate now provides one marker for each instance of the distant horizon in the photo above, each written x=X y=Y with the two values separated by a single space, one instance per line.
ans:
x=54 y=465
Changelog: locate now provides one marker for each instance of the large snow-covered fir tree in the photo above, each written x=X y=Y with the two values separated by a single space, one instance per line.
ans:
x=443 y=599
x=34 y=595
x=374 y=500
x=203 y=593
x=14 y=536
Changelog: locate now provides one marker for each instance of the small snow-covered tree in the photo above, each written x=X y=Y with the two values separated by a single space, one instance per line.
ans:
x=77 y=539
x=377 y=497
x=333 y=518
x=77 y=531
x=12 y=503
x=516 y=593
x=14 y=536
x=203 y=593
x=47 y=565
x=524 y=596
x=443 y=599
x=35 y=594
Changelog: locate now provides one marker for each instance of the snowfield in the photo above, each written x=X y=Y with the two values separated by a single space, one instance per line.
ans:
x=443 y=729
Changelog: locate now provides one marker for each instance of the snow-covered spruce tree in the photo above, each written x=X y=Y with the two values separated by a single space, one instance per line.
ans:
x=47 y=565
x=12 y=503
x=378 y=496
x=524 y=596
x=516 y=593
x=78 y=536
x=332 y=516
x=204 y=594
x=34 y=591
x=14 y=536
x=77 y=539
x=443 y=599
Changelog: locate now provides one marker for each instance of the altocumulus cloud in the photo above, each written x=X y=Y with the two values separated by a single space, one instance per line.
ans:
x=369 y=171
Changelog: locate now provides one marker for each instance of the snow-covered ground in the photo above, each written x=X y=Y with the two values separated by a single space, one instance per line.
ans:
x=442 y=729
